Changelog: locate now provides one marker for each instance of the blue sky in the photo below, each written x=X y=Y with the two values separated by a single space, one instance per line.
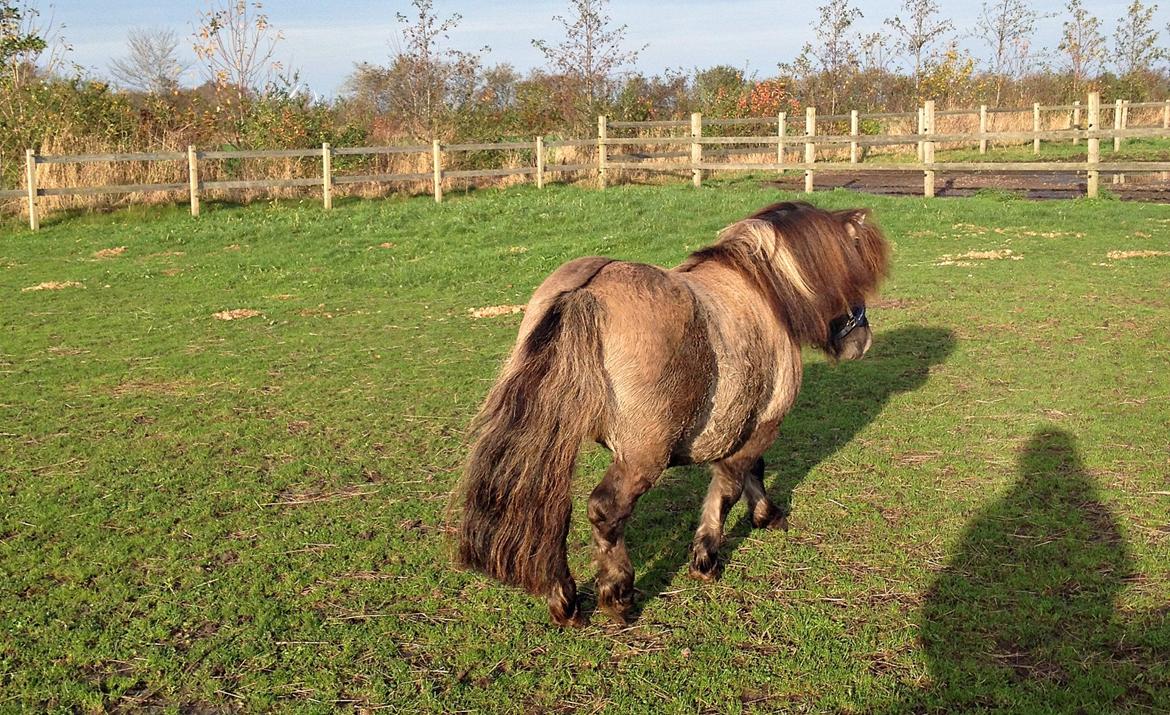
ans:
x=324 y=39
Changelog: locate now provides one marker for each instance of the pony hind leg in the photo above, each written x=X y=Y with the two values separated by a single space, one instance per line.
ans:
x=732 y=477
x=762 y=512
x=727 y=484
x=610 y=506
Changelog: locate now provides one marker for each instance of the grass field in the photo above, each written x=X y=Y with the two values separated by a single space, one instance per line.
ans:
x=199 y=514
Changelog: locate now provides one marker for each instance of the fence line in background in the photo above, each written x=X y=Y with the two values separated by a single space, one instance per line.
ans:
x=926 y=138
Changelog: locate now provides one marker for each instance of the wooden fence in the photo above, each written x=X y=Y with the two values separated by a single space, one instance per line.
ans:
x=1085 y=123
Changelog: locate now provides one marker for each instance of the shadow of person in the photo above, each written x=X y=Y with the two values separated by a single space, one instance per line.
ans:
x=1024 y=616
x=835 y=402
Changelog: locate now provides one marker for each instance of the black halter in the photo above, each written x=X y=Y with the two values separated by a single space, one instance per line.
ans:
x=856 y=320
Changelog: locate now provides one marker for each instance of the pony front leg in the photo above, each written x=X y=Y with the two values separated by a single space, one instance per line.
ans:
x=610 y=506
x=763 y=513
x=726 y=487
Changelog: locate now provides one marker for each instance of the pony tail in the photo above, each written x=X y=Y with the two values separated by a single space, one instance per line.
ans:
x=516 y=488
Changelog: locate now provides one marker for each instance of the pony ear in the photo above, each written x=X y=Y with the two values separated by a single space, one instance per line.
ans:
x=854 y=219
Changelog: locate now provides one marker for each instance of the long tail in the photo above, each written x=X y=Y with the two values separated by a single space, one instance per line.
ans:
x=516 y=489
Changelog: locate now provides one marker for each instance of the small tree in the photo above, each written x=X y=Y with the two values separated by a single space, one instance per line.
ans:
x=18 y=41
x=1136 y=40
x=1006 y=27
x=426 y=81
x=153 y=65
x=236 y=44
x=918 y=28
x=1082 y=44
x=835 y=52
x=592 y=52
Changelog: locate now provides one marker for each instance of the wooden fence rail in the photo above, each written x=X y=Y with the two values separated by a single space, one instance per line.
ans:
x=692 y=150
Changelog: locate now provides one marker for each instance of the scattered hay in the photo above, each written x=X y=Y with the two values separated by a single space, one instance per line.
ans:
x=52 y=285
x=282 y=296
x=109 y=252
x=970 y=228
x=318 y=312
x=964 y=259
x=163 y=388
x=233 y=247
x=236 y=314
x=518 y=249
x=166 y=254
x=892 y=303
x=386 y=245
x=171 y=272
x=1122 y=255
x=494 y=311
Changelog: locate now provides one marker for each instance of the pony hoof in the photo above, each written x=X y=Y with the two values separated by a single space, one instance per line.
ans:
x=576 y=619
x=618 y=605
x=773 y=520
x=705 y=568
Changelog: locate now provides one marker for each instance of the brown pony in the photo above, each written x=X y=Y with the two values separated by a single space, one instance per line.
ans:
x=661 y=367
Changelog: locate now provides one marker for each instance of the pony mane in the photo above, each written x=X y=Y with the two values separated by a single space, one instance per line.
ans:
x=811 y=265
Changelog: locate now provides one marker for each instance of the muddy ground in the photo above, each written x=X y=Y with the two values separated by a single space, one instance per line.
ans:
x=1032 y=185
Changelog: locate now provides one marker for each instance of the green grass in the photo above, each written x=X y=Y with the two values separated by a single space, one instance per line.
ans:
x=200 y=514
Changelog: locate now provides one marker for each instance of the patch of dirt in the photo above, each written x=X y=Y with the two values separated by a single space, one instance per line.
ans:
x=318 y=312
x=168 y=388
x=52 y=285
x=61 y=350
x=166 y=254
x=1122 y=255
x=171 y=272
x=386 y=245
x=494 y=311
x=892 y=304
x=314 y=496
x=233 y=247
x=964 y=259
x=110 y=252
x=236 y=314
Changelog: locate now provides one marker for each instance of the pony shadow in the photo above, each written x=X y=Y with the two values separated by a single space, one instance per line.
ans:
x=834 y=404
x=1024 y=616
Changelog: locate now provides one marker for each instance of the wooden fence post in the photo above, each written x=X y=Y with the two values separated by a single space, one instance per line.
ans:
x=928 y=149
x=1035 y=127
x=1166 y=115
x=853 y=130
x=602 y=126
x=30 y=175
x=1094 y=141
x=921 y=129
x=696 y=149
x=781 y=122
x=437 y=169
x=193 y=178
x=1117 y=124
x=982 y=128
x=540 y=162
x=810 y=146
x=1076 y=120
x=327 y=175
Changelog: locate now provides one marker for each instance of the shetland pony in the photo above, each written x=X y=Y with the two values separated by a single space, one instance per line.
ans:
x=697 y=364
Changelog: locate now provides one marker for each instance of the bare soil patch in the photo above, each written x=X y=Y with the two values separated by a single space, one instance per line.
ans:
x=495 y=311
x=235 y=314
x=52 y=285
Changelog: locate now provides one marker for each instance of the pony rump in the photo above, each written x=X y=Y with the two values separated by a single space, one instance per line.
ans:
x=787 y=247
x=516 y=487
